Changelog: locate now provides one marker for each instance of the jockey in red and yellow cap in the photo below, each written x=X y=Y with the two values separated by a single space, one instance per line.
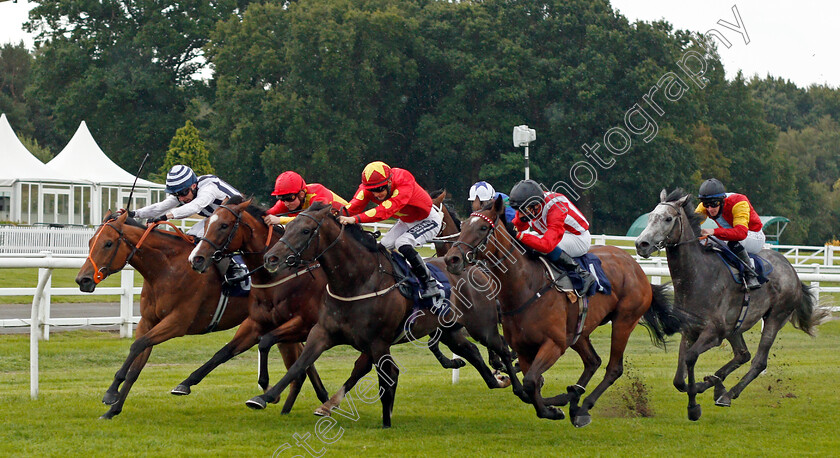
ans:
x=295 y=196
x=396 y=193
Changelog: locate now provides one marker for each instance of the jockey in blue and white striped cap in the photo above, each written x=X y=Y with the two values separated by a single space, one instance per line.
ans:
x=178 y=178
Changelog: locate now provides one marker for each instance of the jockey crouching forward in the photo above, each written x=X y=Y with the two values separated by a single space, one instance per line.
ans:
x=738 y=224
x=294 y=196
x=551 y=224
x=396 y=193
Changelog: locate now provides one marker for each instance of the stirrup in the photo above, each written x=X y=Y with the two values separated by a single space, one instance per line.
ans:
x=432 y=291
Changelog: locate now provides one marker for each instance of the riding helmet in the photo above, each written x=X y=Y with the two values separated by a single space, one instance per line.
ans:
x=376 y=174
x=288 y=182
x=524 y=191
x=711 y=188
x=179 y=177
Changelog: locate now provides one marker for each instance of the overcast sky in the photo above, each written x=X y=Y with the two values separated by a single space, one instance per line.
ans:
x=793 y=40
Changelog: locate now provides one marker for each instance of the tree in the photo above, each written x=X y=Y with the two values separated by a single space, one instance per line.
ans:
x=15 y=69
x=188 y=149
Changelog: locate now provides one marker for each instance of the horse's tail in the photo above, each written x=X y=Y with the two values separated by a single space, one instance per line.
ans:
x=662 y=319
x=808 y=314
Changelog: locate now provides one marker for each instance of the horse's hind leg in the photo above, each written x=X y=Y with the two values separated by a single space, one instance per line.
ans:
x=246 y=337
x=362 y=367
x=591 y=363
x=290 y=353
x=445 y=362
x=772 y=325
x=458 y=343
x=389 y=374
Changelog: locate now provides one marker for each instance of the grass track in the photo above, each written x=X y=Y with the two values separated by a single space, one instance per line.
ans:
x=794 y=408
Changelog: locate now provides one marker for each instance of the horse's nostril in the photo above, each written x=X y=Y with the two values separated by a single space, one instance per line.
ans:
x=643 y=244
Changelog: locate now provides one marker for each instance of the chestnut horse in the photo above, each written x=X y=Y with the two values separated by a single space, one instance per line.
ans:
x=175 y=300
x=540 y=322
x=364 y=309
x=703 y=285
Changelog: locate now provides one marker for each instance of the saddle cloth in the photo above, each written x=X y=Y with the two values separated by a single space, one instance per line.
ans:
x=736 y=268
x=411 y=288
x=235 y=268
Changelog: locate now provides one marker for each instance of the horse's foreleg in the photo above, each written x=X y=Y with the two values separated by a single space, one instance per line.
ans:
x=388 y=373
x=772 y=325
x=547 y=355
x=445 y=362
x=291 y=352
x=317 y=343
x=458 y=343
x=591 y=363
x=740 y=355
x=679 y=376
x=709 y=338
x=131 y=377
x=290 y=331
x=362 y=367
x=246 y=337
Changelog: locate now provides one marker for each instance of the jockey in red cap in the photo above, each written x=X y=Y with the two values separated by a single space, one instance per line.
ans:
x=295 y=196
x=397 y=194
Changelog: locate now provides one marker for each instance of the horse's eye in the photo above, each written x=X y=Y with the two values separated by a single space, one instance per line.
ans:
x=225 y=225
x=483 y=228
x=306 y=232
x=109 y=244
x=669 y=219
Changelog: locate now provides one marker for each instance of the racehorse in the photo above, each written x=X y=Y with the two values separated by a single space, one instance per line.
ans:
x=279 y=309
x=540 y=322
x=364 y=309
x=175 y=300
x=703 y=285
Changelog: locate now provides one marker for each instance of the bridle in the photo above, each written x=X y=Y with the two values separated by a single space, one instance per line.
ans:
x=219 y=254
x=101 y=272
x=469 y=255
x=680 y=216
x=296 y=258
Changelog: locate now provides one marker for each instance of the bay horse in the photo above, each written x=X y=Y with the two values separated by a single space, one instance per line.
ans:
x=280 y=310
x=703 y=285
x=175 y=300
x=540 y=322
x=364 y=309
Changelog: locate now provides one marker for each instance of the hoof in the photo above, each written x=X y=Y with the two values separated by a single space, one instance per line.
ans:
x=108 y=415
x=553 y=414
x=458 y=363
x=110 y=398
x=504 y=380
x=256 y=403
x=322 y=411
x=581 y=420
x=694 y=412
x=181 y=390
x=724 y=401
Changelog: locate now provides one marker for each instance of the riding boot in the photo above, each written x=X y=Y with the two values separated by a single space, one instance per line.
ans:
x=750 y=277
x=567 y=262
x=422 y=272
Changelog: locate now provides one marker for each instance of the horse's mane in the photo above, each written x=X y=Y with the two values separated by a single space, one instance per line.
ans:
x=355 y=231
x=133 y=222
x=253 y=209
x=449 y=207
x=694 y=219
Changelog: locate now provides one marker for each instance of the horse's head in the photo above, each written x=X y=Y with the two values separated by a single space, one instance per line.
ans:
x=475 y=232
x=306 y=236
x=109 y=252
x=670 y=222
x=221 y=234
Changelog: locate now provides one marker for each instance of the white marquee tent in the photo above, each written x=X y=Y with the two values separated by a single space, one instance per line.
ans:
x=76 y=187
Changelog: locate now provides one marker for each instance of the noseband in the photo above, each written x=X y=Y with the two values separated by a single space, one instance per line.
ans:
x=105 y=270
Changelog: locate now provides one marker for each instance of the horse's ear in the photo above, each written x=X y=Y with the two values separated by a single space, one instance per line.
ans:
x=121 y=218
x=334 y=211
x=247 y=203
x=662 y=195
x=109 y=215
x=476 y=205
x=683 y=200
x=225 y=201
x=499 y=205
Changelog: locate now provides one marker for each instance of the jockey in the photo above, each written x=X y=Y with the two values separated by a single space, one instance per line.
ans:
x=187 y=195
x=551 y=224
x=295 y=196
x=397 y=194
x=738 y=224
x=484 y=192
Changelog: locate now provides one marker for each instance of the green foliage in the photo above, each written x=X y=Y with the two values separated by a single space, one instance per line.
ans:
x=187 y=148
x=31 y=144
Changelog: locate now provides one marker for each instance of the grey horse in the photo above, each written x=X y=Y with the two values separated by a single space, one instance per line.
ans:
x=703 y=286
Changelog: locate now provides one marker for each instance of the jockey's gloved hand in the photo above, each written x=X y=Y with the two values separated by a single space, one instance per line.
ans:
x=122 y=210
x=158 y=219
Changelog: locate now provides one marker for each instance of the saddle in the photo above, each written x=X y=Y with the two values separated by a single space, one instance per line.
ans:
x=763 y=268
x=410 y=287
x=233 y=269
x=567 y=281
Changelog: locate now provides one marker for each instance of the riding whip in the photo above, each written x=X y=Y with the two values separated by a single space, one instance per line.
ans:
x=130 y=194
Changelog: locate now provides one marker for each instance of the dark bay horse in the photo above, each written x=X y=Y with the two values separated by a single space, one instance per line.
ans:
x=703 y=286
x=363 y=308
x=281 y=309
x=175 y=300
x=540 y=322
